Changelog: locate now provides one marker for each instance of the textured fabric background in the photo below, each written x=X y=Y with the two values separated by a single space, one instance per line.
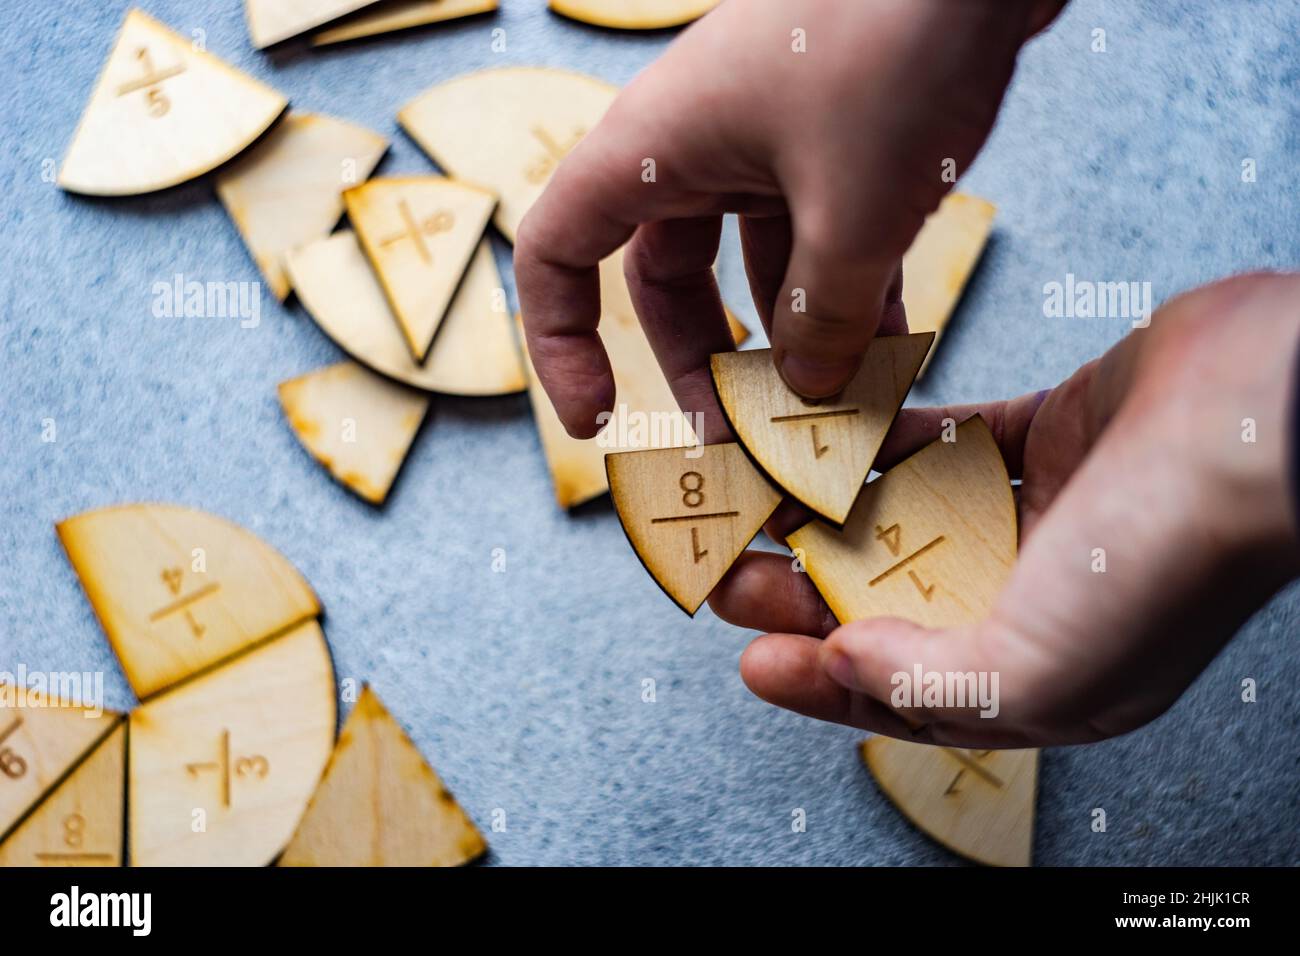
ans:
x=524 y=688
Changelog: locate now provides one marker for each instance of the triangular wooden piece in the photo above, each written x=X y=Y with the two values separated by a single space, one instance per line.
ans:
x=932 y=540
x=507 y=129
x=222 y=767
x=81 y=822
x=381 y=804
x=646 y=413
x=288 y=189
x=178 y=590
x=634 y=14
x=689 y=512
x=978 y=803
x=420 y=234
x=941 y=259
x=270 y=21
x=474 y=352
x=40 y=738
x=819 y=453
x=391 y=15
x=357 y=424
x=162 y=112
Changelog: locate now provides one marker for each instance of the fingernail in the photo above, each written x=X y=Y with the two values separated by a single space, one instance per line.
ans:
x=841 y=669
x=813 y=378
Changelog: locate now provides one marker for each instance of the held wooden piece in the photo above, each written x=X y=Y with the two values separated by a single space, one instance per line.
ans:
x=81 y=822
x=643 y=397
x=634 y=14
x=474 y=352
x=420 y=234
x=239 y=750
x=381 y=804
x=163 y=112
x=288 y=189
x=391 y=15
x=178 y=590
x=507 y=129
x=689 y=512
x=933 y=540
x=270 y=21
x=819 y=453
x=978 y=803
x=941 y=259
x=357 y=424
x=40 y=739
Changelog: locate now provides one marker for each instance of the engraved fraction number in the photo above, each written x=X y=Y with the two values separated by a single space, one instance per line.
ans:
x=540 y=169
x=74 y=830
x=692 y=487
x=174 y=579
x=969 y=761
x=811 y=418
x=892 y=538
x=441 y=221
x=151 y=82
x=251 y=765
x=12 y=765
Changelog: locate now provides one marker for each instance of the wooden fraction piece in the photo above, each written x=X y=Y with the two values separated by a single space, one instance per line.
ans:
x=161 y=113
x=420 y=234
x=819 y=453
x=979 y=803
x=270 y=21
x=689 y=518
x=381 y=804
x=634 y=14
x=942 y=258
x=221 y=767
x=288 y=189
x=178 y=590
x=507 y=129
x=40 y=738
x=643 y=396
x=933 y=541
x=357 y=424
x=474 y=352
x=391 y=15
x=81 y=822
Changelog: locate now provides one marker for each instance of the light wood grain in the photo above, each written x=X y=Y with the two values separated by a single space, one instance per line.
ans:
x=941 y=260
x=357 y=424
x=178 y=590
x=419 y=234
x=507 y=129
x=474 y=352
x=81 y=822
x=271 y=21
x=288 y=189
x=391 y=15
x=688 y=518
x=979 y=803
x=634 y=14
x=381 y=804
x=643 y=395
x=819 y=453
x=234 y=754
x=933 y=541
x=162 y=112
x=40 y=739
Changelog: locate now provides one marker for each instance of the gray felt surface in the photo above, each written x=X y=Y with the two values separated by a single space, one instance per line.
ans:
x=524 y=687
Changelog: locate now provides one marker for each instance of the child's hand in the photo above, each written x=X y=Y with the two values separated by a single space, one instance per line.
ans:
x=1145 y=454
x=827 y=125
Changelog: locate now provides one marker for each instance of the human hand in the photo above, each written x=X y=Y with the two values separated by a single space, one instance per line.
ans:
x=1143 y=453
x=833 y=157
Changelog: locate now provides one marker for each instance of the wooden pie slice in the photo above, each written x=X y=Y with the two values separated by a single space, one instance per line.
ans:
x=357 y=424
x=178 y=590
x=391 y=15
x=288 y=189
x=381 y=804
x=507 y=129
x=163 y=112
x=634 y=14
x=221 y=767
x=819 y=453
x=270 y=21
x=474 y=352
x=419 y=233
